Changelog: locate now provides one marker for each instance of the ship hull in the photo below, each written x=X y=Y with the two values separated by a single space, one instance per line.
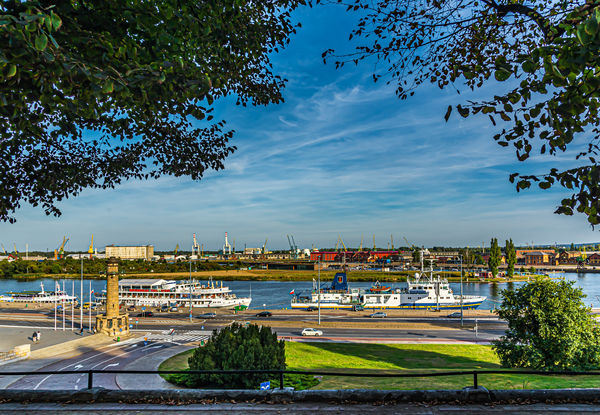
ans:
x=447 y=306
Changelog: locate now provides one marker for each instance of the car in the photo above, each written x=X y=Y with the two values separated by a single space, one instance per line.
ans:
x=131 y=308
x=311 y=308
x=454 y=315
x=173 y=309
x=358 y=307
x=378 y=314
x=208 y=315
x=146 y=314
x=264 y=314
x=311 y=332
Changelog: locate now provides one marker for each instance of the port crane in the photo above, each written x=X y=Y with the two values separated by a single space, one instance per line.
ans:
x=361 y=243
x=293 y=247
x=196 y=247
x=392 y=238
x=91 y=248
x=264 y=247
x=60 y=252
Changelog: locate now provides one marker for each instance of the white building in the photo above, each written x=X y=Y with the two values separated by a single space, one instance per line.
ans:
x=145 y=252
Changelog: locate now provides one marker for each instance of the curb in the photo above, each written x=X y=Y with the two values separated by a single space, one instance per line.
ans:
x=349 y=396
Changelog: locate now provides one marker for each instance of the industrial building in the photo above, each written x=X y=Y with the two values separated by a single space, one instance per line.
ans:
x=145 y=252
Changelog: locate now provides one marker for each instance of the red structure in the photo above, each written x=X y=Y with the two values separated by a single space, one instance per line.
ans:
x=351 y=256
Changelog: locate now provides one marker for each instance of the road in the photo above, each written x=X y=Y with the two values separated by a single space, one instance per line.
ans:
x=115 y=356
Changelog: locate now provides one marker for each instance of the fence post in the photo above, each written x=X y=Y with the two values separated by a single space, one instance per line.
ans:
x=475 y=385
x=90 y=379
x=281 y=379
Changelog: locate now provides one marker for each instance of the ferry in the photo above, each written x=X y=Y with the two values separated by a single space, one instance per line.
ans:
x=158 y=292
x=56 y=296
x=422 y=292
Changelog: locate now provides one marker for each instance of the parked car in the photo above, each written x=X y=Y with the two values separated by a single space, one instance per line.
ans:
x=146 y=314
x=311 y=332
x=173 y=309
x=311 y=308
x=131 y=308
x=379 y=314
x=454 y=315
x=358 y=307
x=208 y=315
x=264 y=314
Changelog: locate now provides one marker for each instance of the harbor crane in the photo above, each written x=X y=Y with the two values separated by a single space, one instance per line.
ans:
x=392 y=238
x=408 y=244
x=60 y=252
x=196 y=247
x=264 y=247
x=91 y=248
x=293 y=247
x=361 y=243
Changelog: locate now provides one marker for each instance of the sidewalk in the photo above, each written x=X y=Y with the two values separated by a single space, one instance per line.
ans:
x=150 y=362
x=14 y=336
x=302 y=408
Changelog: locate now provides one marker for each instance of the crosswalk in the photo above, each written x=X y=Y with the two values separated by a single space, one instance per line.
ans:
x=180 y=336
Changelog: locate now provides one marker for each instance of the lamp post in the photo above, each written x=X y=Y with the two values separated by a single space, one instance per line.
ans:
x=191 y=288
x=319 y=290
x=461 y=291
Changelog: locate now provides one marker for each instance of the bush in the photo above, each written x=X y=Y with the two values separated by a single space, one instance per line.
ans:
x=237 y=347
x=549 y=327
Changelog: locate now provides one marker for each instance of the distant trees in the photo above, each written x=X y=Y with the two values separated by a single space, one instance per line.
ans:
x=549 y=327
x=511 y=258
x=416 y=255
x=495 y=255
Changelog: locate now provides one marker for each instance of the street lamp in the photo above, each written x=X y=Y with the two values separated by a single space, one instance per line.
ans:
x=319 y=291
x=461 y=291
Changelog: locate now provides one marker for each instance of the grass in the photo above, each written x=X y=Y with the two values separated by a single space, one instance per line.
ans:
x=406 y=358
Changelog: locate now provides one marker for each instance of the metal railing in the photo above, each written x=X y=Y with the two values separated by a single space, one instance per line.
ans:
x=474 y=373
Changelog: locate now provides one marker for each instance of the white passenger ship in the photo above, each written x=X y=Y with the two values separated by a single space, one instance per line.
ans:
x=158 y=292
x=43 y=296
x=422 y=292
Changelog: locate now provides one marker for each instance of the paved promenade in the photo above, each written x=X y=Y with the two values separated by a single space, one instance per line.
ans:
x=305 y=409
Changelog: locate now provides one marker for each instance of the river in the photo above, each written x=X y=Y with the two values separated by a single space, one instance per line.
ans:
x=276 y=294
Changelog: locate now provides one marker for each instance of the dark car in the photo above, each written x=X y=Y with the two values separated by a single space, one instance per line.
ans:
x=208 y=315
x=454 y=315
x=146 y=314
x=264 y=314
x=311 y=308
x=131 y=308
x=358 y=307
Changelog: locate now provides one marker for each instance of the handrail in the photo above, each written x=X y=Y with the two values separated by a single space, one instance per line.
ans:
x=475 y=373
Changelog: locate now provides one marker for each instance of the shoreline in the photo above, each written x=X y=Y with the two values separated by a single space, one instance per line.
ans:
x=280 y=275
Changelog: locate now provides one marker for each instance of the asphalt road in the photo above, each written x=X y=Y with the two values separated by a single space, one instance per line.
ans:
x=113 y=357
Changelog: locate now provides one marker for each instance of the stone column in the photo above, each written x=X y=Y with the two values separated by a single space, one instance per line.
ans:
x=112 y=289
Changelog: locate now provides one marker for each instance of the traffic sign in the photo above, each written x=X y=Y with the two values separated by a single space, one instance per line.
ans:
x=265 y=386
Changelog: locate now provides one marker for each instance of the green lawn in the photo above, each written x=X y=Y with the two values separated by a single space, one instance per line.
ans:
x=403 y=358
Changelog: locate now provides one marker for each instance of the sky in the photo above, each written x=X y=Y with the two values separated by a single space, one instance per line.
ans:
x=341 y=156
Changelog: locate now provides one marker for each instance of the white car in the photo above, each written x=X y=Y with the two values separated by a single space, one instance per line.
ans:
x=312 y=332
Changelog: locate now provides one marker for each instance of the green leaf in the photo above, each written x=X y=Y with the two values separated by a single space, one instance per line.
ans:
x=448 y=112
x=591 y=26
x=12 y=70
x=56 y=21
x=108 y=87
x=464 y=112
x=41 y=41
x=528 y=66
x=502 y=74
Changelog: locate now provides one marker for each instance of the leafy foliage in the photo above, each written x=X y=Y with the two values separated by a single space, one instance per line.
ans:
x=495 y=255
x=549 y=327
x=511 y=258
x=96 y=92
x=237 y=347
x=548 y=49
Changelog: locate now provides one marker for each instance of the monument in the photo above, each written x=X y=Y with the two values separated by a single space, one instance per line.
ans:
x=112 y=323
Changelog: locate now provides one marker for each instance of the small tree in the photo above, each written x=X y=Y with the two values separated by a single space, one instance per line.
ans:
x=495 y=255
x=237 y=347
x=416 y=255
x=511 y=258
x=548 y=328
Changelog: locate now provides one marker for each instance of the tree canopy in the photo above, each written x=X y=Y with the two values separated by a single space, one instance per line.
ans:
x=549 y=327
x=96 y=92
x=547 y=52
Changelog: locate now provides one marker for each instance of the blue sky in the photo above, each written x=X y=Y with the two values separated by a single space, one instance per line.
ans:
x=341 y=156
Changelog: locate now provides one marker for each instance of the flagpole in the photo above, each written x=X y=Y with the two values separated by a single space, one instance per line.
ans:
x=55 y=305
x=63 y=303
x=73 y=305
x=81 y=297
x=90 y=309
